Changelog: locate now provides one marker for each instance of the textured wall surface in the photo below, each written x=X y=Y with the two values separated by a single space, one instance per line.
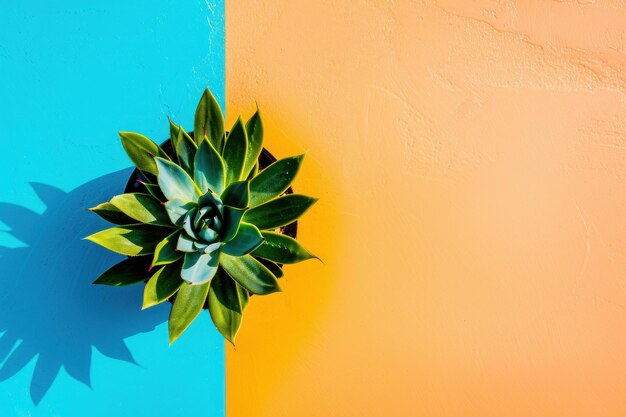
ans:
x=471 y=160
x=73 y=74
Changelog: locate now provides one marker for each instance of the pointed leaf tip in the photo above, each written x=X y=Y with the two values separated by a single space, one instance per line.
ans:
x=141 y=151
x=209 y=121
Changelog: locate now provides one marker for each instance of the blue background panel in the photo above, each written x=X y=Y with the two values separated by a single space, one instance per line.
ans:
x=72 y=74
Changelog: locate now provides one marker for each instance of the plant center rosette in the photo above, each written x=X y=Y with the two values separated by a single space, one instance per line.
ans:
x=203 y=227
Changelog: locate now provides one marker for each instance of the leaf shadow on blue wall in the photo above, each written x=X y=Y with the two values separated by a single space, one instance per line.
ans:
x=49 y=308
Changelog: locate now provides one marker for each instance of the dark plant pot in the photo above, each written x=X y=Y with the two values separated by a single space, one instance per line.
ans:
x=135 y=185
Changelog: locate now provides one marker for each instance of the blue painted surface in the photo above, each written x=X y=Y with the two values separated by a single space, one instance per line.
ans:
x=73 y=74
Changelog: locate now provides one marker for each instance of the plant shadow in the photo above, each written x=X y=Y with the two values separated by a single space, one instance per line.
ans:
x=50 y=309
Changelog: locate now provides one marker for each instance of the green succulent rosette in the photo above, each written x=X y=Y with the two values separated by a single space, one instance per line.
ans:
x=204 y=230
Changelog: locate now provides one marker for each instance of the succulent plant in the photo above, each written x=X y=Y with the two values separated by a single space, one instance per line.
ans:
x=203 y=230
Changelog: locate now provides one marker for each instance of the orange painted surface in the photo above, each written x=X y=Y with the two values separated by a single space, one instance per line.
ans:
x=471 y=163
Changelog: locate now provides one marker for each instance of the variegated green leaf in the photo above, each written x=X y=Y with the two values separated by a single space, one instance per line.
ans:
x=208 y=248
x=282 y=249
x=211 y=199
x=155 y=191
x=187 y=306
x=209 y=121
x=254 y=171
x=199 y=267
x=207 y=234
x=188 y=223
x=165 y=252
x=127 y=272
x=247 y=239
x=112 y=214
x=250 y=274
x=162 y=285
x=184 y=147
x=130 y=240
x=225 y=305
x=175 y=182
x=142 y=151
x=254 y=129
x=236 y=194
x=186 y=244
x=144 y=208
x=272 y=266
x=209 y=169
x=177 y=209
x=235 y=150
x=279 y=212
x=243 y=294
x=174 y=130
x=274 y=180
x=232 y=219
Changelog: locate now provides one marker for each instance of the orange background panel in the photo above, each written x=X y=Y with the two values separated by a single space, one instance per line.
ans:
x=471 y=163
